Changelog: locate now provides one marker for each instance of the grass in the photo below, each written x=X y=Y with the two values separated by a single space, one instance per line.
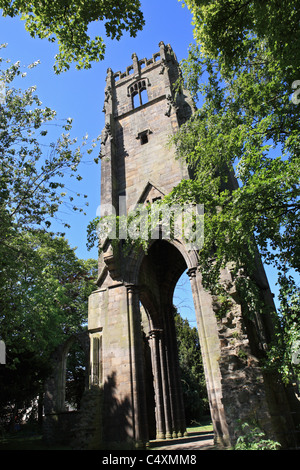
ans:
x=26 y=439
x=31 y=438
x=204 y=426
x=200 y=429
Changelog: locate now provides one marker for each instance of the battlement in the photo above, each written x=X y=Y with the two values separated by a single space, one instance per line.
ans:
x=143 y=82
x=165 y=53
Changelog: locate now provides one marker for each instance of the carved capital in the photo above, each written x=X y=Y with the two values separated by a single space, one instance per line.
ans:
x=132 y=288
x=192 y=272
x=155 y=333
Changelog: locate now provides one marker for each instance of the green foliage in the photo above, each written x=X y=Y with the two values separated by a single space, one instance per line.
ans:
x=68 y=24
x=242 y=117
x=43 y=300
x=241 y=71
x=222 y=27
x=284 y=352
x=253 y=438
x=32 y=168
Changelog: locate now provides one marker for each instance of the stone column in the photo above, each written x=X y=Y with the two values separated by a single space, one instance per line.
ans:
x=136 y=66
x=137 y=367
x=165 y=387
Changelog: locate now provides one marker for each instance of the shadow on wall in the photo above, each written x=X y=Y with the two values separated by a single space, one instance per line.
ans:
x=117 y=417
x=104 y=422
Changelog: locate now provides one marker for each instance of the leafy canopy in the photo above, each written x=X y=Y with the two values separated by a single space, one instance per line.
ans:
x=243 y=144
x=32 y=191
x=222 y=27
x=68 y=23
x=33 y=167
x=44 y=287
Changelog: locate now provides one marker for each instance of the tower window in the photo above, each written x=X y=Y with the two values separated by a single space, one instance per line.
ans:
x=138 y=93
x=144 y=139
x=144 y=136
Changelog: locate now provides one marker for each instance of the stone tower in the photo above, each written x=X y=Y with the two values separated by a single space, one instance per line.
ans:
x=131 y=325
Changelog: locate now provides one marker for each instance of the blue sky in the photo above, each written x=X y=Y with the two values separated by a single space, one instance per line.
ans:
x=80 y=94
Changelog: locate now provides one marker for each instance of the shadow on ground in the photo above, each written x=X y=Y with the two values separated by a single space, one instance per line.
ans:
x=203 y=440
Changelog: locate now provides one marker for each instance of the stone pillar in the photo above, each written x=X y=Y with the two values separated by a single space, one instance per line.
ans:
x=137 y=367
x=162 y=50
x=136 y=66
x=156 y=366
x=165 y=387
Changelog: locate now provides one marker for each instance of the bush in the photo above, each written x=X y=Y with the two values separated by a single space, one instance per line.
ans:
x=253 y=438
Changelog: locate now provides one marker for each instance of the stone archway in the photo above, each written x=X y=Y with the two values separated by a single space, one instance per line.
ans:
x=159 y=272
x=156 y=286
x=59 y=422
x=237 y=386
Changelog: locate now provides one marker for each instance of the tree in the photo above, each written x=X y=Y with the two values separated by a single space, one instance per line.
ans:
x=243 y=142
x=68 y=23
x=42 y=303
x=32 y=167
x=43 y=286
x=225 y=29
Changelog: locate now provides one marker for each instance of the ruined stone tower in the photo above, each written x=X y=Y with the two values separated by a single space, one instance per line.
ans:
x=131 y=326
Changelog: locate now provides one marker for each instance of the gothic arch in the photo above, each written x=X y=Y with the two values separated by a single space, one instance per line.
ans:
x=135 y=260
x=158 y=273
x=56 y=383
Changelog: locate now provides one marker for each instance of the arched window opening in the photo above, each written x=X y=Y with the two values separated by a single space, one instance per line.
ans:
x=139 y=94
x=96 y=359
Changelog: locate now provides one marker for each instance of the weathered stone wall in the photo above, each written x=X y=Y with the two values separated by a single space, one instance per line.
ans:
x=59 y=424
x=87 y=431
x=59 y=428
x=109 y=314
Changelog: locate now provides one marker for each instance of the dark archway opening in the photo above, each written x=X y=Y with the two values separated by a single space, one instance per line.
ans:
x=195 y=397
x=159 y=273
x=75 y=378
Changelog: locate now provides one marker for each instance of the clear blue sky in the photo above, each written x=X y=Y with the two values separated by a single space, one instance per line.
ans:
x=80 y=94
